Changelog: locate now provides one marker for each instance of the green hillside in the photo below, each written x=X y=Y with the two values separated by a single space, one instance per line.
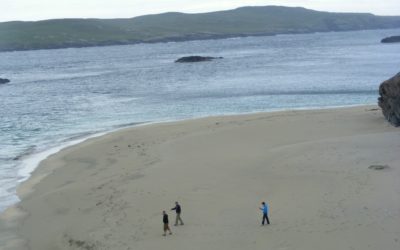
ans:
x=63 y=33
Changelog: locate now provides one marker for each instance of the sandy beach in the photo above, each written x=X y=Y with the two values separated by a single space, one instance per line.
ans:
x=312 y=167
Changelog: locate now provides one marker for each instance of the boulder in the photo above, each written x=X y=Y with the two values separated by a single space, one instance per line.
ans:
x=391 y=39
x=389 y=99
x=3 y=81
x=190 y=59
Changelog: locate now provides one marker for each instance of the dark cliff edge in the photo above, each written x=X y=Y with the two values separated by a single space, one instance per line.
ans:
x=389 y=99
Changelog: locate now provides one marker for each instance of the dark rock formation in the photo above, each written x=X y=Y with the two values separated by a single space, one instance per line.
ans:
x=190 y=59
x=391 y=39
x=3 y=80
x=389 y=99
x=379 y=167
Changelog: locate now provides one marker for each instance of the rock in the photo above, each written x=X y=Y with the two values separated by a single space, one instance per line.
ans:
x=378 y=167
x=3 y=81
x=389 y=99
x=190 y=59
x=391 y=39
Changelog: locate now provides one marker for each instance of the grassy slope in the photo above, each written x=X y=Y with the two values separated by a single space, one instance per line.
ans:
x=178 y=26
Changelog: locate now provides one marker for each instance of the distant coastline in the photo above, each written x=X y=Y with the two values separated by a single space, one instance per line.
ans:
x=167 y=27
x=173 y=39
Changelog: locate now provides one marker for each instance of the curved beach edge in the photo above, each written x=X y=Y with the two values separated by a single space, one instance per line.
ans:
x=310 y=165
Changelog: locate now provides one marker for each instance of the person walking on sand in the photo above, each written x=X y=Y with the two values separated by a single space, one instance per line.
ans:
x=166 y=223
x=178 y=211
x=264 y=209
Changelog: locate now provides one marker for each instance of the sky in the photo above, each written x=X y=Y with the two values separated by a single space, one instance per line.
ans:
x=32 y=10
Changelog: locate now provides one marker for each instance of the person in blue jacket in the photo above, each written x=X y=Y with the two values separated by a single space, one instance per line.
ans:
x=264 y=209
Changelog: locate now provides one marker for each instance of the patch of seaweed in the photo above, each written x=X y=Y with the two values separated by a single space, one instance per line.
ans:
x=80 y=244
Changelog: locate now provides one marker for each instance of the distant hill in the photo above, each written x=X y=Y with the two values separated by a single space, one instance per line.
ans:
x=245 y=21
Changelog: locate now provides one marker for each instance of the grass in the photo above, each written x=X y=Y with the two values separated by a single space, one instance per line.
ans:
x=268 y=20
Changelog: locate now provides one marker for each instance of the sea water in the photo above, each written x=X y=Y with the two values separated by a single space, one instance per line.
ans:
x=59 y=97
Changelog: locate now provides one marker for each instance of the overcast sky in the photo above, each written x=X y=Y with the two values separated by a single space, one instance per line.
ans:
x=49 y=9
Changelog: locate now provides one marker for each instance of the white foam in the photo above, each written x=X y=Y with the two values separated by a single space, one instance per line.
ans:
x=29 y=164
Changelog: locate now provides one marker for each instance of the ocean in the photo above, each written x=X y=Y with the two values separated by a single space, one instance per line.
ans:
x=60 y=97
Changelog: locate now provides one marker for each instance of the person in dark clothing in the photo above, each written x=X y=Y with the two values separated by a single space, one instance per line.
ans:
x=178 y=211
x=264 y=209
x=166 y=224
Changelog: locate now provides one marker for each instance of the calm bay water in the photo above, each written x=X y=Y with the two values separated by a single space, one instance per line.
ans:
x=58 y=96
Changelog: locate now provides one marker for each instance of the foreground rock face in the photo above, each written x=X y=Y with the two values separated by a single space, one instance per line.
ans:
x=3 y=81
x=391 y=39
x=190 y=59
x=389 y=99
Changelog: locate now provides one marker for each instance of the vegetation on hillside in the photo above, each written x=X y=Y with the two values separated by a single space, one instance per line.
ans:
x=245 y=21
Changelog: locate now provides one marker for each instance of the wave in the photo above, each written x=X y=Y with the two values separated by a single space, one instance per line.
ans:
x=31 y=160
x=28 y=151
x=218 y=95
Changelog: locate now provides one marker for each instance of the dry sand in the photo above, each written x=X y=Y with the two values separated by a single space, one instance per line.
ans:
x=312 y=167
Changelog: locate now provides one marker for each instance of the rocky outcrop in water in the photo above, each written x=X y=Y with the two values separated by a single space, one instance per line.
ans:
x=391 y=39
x=389 y=99
x=190 y=59
x=3 y=81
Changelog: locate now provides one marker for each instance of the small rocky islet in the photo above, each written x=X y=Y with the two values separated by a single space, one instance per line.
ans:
x=4 y=80
x=191 y=59
x=391 y=39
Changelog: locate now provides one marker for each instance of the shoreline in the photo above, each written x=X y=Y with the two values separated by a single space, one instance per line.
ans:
x=45 y=170
x=29 y=162
x=184 y=39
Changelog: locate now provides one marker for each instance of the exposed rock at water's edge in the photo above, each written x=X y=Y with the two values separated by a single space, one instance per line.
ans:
x=379 y=167
x=391 y=39
x=3 y=81
x=389 y=99
x=189 y=59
